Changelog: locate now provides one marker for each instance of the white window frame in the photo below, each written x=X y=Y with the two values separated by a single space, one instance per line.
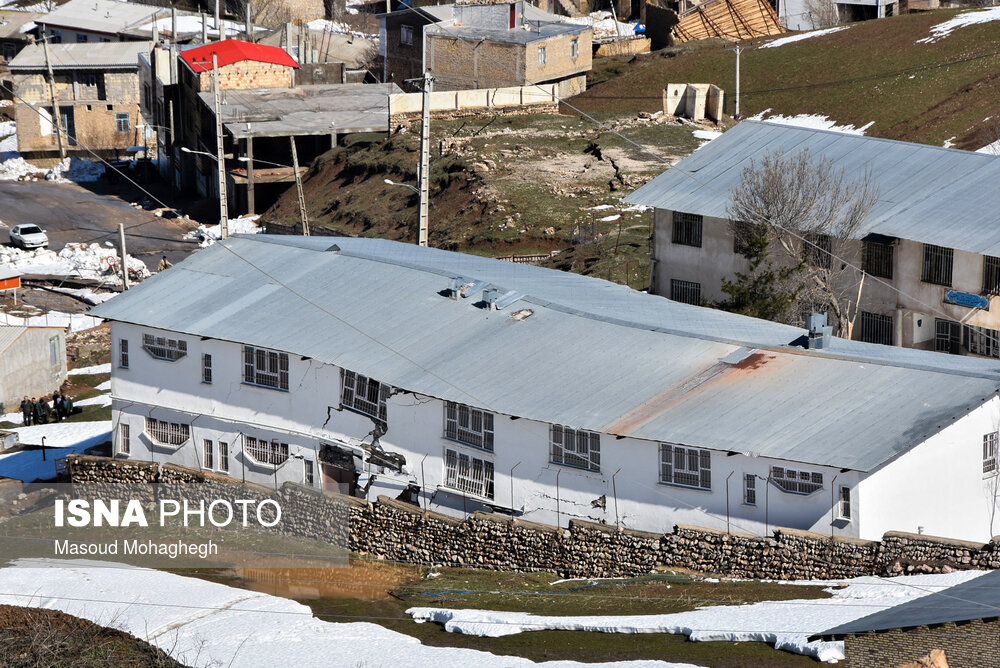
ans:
x=683 y=466
x=990 y=442
x=794 y=481
x=372 y=402
x=406 y=35
x=844 y=503
x=206 y=368
x=122 y=353
x=308 y=473
x=468 y=425
x=542 y=56
x=264 y=452
x=224 y=456
x=164 y=348
x=469 y=474
x=265 y=368
x=577 y=448
x=124 y=438
x=574 y=47
x=208 y=454
x=749 y=489
x=171 y=434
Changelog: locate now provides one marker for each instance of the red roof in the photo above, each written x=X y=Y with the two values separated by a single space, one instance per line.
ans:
x=231 y=51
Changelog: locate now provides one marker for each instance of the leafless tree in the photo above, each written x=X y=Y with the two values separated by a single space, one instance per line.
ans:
x=822 y=13
x=809 y=212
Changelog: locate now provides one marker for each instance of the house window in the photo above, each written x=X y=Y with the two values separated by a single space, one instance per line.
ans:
x=947 y=336
x=574 y=48
x=689 y=467
x=206 y=368
x=685 y=292
x=877 y=258
x=990 y=453
x=796 y=482
x=468 y=474
x=56 y=37
x=575 y=447
x=167 y=433
x=265 y=452
x=687 y=229
x=223 y=456
x=365 y=395
x=209 y=464
x=163 y=348
x=937 y=265
x=124 y=442
x=146 y=97
x=81 y=38
x=749 y=489
x=743 y=237
x=307 y=472
x=265 y=368
x=468 y=425
x=991 y=275
x=844 y=510
x=121 y=123
x=819 y=250
x=541 y=55
x=406 y=35
x=876 y=328
x=123 y=353
x=55 y=357
x=9 y=51
x=982 y=341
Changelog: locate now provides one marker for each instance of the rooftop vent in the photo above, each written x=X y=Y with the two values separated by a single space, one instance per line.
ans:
x=465 y=287
x=498 y=298
x=819 y=332
x=522 y=314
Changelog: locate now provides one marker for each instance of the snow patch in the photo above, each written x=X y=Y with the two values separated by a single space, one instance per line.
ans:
x=707 y=135
x=74 y=322
x=815 y=121
x=801 y=36
x=99 y=368
x=61 y=439
x=603 y=24
x=942 y=30
x=100 y=400
x=608 y=219
x=16 y=168
x=326 y=25
x=209 y=235
x=990 y=149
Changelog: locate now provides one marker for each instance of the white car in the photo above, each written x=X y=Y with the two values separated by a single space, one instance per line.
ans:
x=28 y=236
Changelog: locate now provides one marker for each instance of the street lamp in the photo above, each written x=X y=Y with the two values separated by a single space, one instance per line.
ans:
x=403 y=185
x=223 y=206
x=187 y=150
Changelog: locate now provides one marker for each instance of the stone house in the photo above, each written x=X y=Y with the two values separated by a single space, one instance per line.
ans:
x=960 y=620
x=97 y=89
x=32 y=363
x=926 y=260
x=470 y=384
x=486 y=45
x=17 y=30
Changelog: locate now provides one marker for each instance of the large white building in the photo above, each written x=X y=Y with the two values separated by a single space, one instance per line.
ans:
x=540 y=393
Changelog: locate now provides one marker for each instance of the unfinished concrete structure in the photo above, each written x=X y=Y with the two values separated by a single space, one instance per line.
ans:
x=32 y=363
x=695 y=101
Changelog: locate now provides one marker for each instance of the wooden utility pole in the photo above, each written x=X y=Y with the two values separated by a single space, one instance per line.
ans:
x=219 y=150
x=57 y=117
x=121 y=243
x=425 y=144
x=298 y=186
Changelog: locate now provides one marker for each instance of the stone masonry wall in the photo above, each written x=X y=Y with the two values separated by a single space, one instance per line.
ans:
x=393 y=530
x=248 y=74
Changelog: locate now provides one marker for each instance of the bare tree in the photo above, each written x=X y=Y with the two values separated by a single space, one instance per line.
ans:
x=809 y=212
x=822 y=13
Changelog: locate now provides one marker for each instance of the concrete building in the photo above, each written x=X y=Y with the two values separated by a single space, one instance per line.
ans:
x=927 y=257
x=474 y=44
x=97 y=89
x=17 y=30
x=468 y=383
x=84 y=21
x=32 y=363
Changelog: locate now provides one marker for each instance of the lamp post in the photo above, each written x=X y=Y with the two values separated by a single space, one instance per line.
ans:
x=223 y=214
x=422 y=232
x=303 y=218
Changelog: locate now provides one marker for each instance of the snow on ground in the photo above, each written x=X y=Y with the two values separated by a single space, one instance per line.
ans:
x=97 y=368
x=16 y=168
x=8 y=139
x=61 y=439
x=75 y=322
x=100 y=400
x=104 y=387
x=801 y=36
x=990 y=149
x=609 y=219
x=203 y=623
x=242 y=225
x=814 y=121
x=942 y=30
x=326 y=25
x=82 y=260
x=785 y=624
x=86 y=295
x=604 y=24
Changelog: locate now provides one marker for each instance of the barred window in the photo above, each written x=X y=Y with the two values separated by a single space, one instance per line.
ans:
x=937 y=265
x=844 y=511
x=223 y=456
x=876 y=328
x=796 y=482
x=468 y=425
x=167 y=433
x=124 y=441
x=123 y=353
x=307 y=472
x=746 y=236
x=206 y=368
x=209 y=463
x=991 y=275
x=265 y=452
x=265 y=368
x=877 y=258
x=686 y=292
x=982 y=341
x=689 y=467
x=990 y=453
x=575 y=447
x=947 y=336
x=687 y=229
x=818 y=250
x=163 y=348
x=468 y=474
x=406 y=35
x=750 y=489
x=365 y=395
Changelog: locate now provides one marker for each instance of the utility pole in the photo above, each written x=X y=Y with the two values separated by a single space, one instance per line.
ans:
x=121 y=244
x=738 y=49
x=249 y=22
x=219 y=150
x=55 y=105
x=250 y=178
x=425 y=145
x=298 y=186
x=218 y=28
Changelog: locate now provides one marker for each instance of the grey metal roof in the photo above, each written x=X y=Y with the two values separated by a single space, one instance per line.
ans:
x=540 y=31
x=87 y=55
x=930 y=194
x=105 y=16
x=10 y=334
x=306 y=110
x=16 y=25
x=593 y=355
x=978 y=598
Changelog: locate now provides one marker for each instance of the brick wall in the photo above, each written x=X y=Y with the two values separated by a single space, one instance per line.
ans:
x=559 y=61
x=976 y=643
x=249 y=74
x=93 y=124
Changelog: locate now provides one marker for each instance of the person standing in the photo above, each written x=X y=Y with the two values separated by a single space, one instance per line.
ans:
x=57 y=407
x=38 y=406
x=67 y=403
x=26 y=410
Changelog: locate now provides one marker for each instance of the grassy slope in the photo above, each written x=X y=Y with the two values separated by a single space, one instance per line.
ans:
x=873 y=71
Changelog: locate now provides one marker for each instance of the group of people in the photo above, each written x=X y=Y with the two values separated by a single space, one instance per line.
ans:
x=40 y=411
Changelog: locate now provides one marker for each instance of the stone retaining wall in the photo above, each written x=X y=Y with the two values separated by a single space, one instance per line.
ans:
x=393 y=530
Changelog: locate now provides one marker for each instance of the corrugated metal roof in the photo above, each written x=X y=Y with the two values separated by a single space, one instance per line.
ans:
x=978 y=598
x=593 y=354
x=81 y=56
x=106 y=16
x=14 y=24
x=9 y=334
x=930 y=194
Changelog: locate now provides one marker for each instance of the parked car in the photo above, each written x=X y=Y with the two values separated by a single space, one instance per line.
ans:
x=28 y=236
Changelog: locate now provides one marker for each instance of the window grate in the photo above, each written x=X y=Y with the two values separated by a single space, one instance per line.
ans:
x=876 y=328
x=266 y=452
x=206 y=368
x=365 y=395
x=307 y=472
x=687 y=229
x=796 y=482
x=688 y=467
x=468 y=474
x=123 y=353
x=937 y=265
x=124 y=440
x=685 y=292
x=991 y=275
x=167 y=433
x=223 y=456
x=575 y=447
x=468 y=425
x=990 y=452
x=982 y=341
x=209 y=463
x=877 y=258
x=750 y=489
x=818 y=250
x=947 y=336
x=265 y=368
x=845 y=502
x=163 y=348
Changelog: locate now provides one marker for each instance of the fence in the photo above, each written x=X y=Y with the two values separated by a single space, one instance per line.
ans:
x=404 y=104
